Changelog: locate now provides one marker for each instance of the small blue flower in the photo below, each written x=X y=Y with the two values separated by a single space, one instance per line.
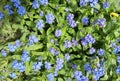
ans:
x=24 y=56
x=87 y=67
x=100 y=52
x=50 y=77
x=21 y=10
x=50 y=18
x=118 y=59
x=74 y=66
x=11 y=47
x=92 y=50
x=40 y=24
x=43 y=2
x=58 y=33
x=89 y=39
x=93 y=3
x=72 y=23
x=101 y=22
x=85 y=20
x=67 y=57
x=7 y=7
x=59 y=64
x=1 y=15
x=32 y=39
x=67 y=44
x=83 y=42
x=37 y=66
x=98 y=72
x=75 y=43
x=18 y=43
x=82 y=3
x=116 y=49
x=105 y=5
x=4 y=54
x=70 y=17
x=41 y=13
x=53 y=51
x=118 y=70
x=77 y=75
x=14 y=64
x=18 y=65
x=47 y=65
x=35 y=4
x=12 y=75
x=83 y=78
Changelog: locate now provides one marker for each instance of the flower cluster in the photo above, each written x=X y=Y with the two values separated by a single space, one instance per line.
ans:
x=32 y=39
x=70 y=20
x=18 y=65
x=13 y=47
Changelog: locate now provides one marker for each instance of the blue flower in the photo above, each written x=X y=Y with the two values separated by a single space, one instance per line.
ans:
x=4 y=54
x=17 y=3
x=67 y=44
x=105 y=5
x=118 y=70
x=50 y=77
x=74 y=66
x=70 y=17
x=83 y=78
x=12 y=75
x=18 y=43
x=50 y=18
x=59 y=64
x=102 y=62
x=47 y=65
x=11 y=47
x=93 y=3
x=77 y=75
x=101 y=22
x=21 y=10
x=89 y=39
x=58 y=33
x=43 y=2
x=118 y=59
x=83 y=42
x=32 y=39
x=41 y=13
x=14 y=64
x=87 y=67
x=72 y=23
x=100 y=52
x=75 y=43
x=40 y=24
x=37 y=66
x=82 y=3
x=53 y=51
x=18 y=65
x=1 y=15
x=35 y=4
x=98 y=72
x=67 y=57
x=92 y=50
x=24 y=56
x=85 y=20
x=21 y=67
x=9 y=9
x=116 y=49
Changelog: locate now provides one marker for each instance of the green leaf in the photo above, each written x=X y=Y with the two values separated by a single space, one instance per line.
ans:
x=34 y=47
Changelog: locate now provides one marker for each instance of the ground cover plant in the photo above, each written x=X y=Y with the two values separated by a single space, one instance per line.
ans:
x=59 y=40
